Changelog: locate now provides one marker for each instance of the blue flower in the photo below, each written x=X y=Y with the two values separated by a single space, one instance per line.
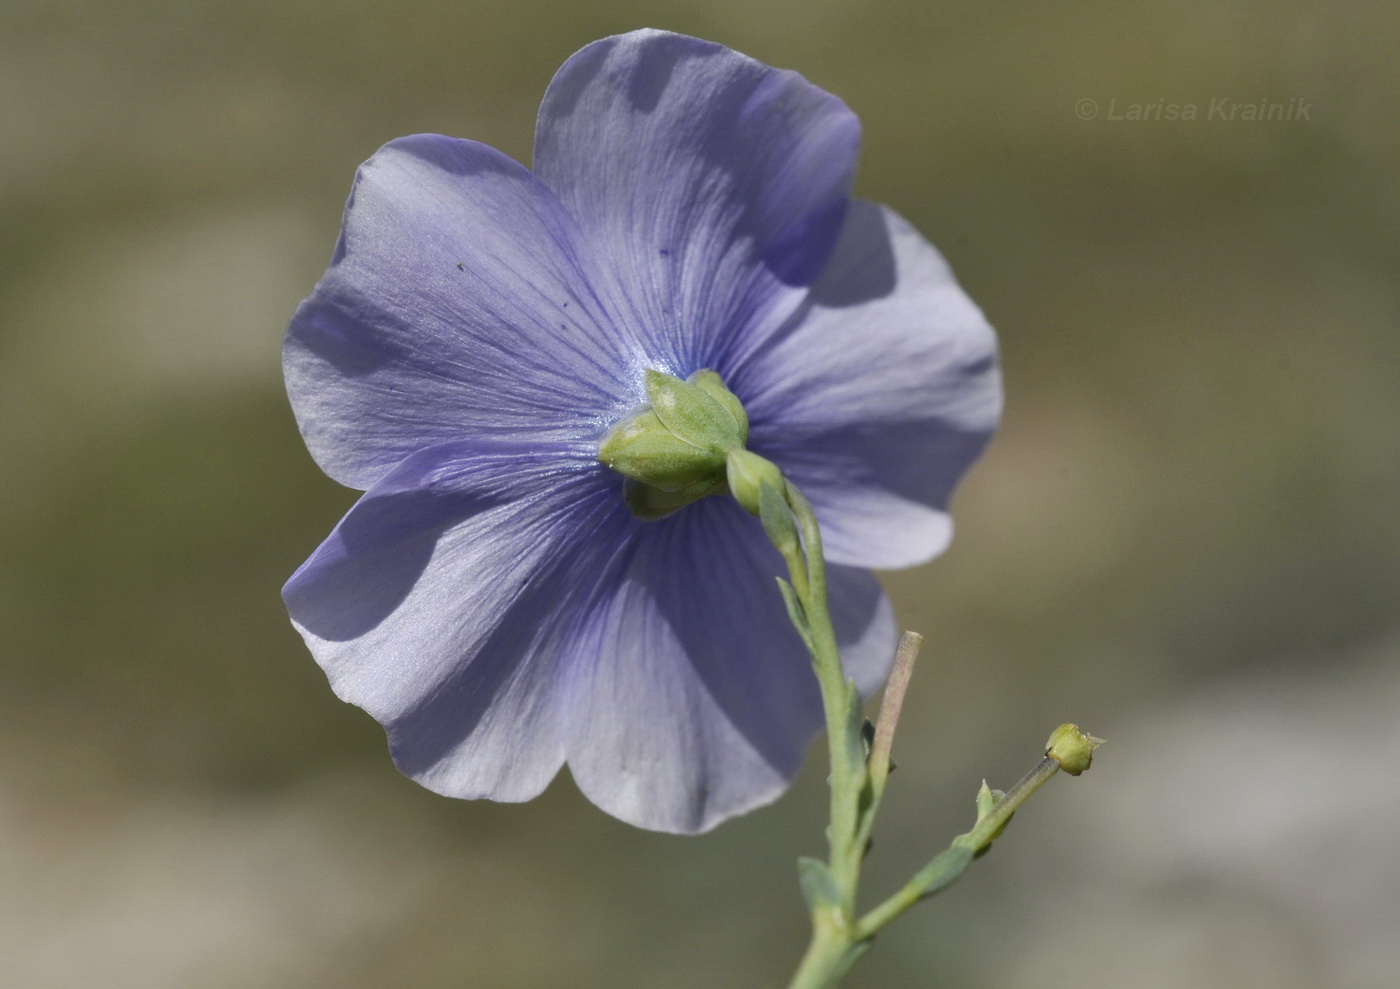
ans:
x=490 y=599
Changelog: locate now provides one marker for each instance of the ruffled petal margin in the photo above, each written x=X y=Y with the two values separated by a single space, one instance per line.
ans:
x=499 y=612
x=491 y=601
x=714 y=185
x=692 y=698
x=878 y=395
x=439 y=601
x=455 y=305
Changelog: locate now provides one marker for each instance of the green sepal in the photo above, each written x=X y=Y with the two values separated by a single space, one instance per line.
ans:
x=713 y=385
x=819 y=887
x=647 y=502
x=676 y=449
x=693 y=414
x=643 y=448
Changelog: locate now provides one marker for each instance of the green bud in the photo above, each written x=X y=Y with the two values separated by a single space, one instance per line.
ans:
x=748 y=474
x=1072 y=748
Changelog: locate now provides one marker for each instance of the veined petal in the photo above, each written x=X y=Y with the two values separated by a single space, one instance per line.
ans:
x=491 y=600
x=691 y=697
x=454 y=306
x=439 y=601
x=878 y=395
x=714 y=184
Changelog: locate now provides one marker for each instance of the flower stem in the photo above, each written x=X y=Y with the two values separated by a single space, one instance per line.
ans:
x=858 y=778
x=828 y=958
x=948 y=865
x=841 y=703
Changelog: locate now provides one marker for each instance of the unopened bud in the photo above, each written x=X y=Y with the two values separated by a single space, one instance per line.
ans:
x=1072 y=748
x=748 y=474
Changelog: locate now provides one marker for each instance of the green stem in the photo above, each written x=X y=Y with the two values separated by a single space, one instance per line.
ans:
x=840 y=702
x=858 y=782
x=828 y=958
x=891 y=703
x=953 y=861
x=833 y=948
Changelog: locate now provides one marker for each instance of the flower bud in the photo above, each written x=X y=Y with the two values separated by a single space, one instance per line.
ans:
x=1072 y=748
x=748 y=473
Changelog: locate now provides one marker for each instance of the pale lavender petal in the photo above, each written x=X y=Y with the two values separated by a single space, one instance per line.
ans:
x=439 y=602
x=490 y=600
x=713 y=184
x=454 y=306
x=691 y=697
x=879 y=395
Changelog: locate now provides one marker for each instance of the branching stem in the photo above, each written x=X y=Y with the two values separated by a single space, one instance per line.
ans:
x=858 y=777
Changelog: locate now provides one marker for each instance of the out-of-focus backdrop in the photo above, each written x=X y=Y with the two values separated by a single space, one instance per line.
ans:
x=1184 y=538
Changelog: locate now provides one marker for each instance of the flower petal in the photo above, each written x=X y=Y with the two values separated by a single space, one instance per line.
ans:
x=692 y=698
x=877 y=397
x=715 y=184
x=438 y=603
x=454 y=306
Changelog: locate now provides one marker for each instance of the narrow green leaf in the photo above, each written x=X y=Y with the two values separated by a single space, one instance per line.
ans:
x=986 y=800
x=796 y=614
x=945 y=869
x=779 y=523
x=819 y=887
x=855 y=719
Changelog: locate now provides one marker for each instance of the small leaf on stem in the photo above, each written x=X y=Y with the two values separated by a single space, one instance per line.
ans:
x=818 y=885
x=796 y=613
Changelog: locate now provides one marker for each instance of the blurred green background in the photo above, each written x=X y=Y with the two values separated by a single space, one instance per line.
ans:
x=1184 y=537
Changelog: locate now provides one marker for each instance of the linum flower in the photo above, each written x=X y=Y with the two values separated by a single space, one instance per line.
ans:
x=491 y=599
